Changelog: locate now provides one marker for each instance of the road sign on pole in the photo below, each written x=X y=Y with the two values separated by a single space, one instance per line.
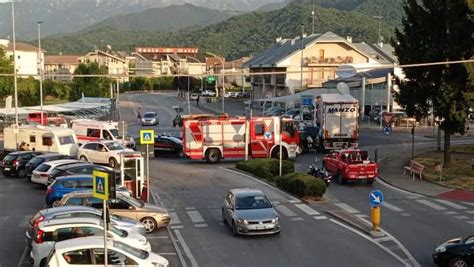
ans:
x=267 y=135
x=100 y=189
x=387 y=130
x=387 y=118
x=147 y=137
x=376 y=198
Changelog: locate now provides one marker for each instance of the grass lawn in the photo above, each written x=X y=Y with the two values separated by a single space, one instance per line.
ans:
x=458 y=175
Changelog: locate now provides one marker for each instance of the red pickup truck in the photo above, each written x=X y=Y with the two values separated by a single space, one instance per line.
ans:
x=351 y=165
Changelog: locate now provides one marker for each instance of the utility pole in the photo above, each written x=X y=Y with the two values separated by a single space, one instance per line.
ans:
x=312 y=17
x=41 y=70
x=302 y=61
x=14 y=73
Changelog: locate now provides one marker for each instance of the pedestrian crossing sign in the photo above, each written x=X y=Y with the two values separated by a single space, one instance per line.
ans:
x=100 y=184
x=147 y=137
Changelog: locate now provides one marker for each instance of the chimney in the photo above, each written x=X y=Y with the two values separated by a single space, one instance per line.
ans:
x=278 y=39
x=349 y=39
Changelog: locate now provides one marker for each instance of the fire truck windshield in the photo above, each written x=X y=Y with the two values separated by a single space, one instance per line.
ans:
x=289 y=127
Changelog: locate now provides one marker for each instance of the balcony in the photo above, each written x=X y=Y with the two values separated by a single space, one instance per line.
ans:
x=280 y=79
x=311 y=83
x=320 y=61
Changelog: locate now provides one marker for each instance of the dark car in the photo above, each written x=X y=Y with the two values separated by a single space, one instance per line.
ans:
x=15 y=163
x=455 y=252
x=274 y=112
x=78 y=168
x=36 y=161
x=168 y=145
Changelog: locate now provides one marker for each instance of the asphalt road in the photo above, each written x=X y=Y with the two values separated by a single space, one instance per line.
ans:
x=417 y=223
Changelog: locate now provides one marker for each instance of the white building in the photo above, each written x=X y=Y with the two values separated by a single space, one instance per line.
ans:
x=27 y=58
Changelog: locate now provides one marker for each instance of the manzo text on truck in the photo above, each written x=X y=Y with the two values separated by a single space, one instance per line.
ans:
x=337 y=116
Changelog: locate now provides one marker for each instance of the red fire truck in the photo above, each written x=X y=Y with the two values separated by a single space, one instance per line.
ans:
x=218 y=137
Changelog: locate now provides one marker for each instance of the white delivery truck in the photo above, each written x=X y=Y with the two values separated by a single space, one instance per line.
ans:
x=41 y=138
x=93 y=130
x=337 y=116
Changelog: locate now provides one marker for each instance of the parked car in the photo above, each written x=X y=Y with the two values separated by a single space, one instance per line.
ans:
x=150 y=118
x=49 y=232
x=64 y=185
x=90 y=251
x=234 y=94
x=249 y=212
x=107 y=152
x=79 y=212
x=36 y=161
x=227 y=94
x=275 y=112
x=400 y=119
x=152 y=217
x=208 y=93
x=79 y=168
x=14 y=164
x=193 y=96
x=43 y=171
x=168 y=145
x=455 y=252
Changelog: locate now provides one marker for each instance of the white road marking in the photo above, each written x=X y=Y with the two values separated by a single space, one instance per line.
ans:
x=362 y=215
x=285 y=211
x=166 y=253
x=451 y=212
x=400 y=246
x=405 y=214
x=346 y=207
x=470 y=222
x=451 y=204
x=186 y=249
x=469 y=203
x=370 y=240
x=295 y=219
x=322 y=217
x=461 y=217
x=195 y=216
x=430 y=204
x=174 y=218
x=22 y=258
x=391 y=207
x=157 y=237
x=200 y=225
x=383 y=239
x=177 y=227
x=470 y=211
x=413 y=197
x=190 y=208
x=294 y=201
x=307 y=209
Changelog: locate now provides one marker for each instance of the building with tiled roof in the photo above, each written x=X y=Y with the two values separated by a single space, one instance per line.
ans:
x=59 y=67
x=27 y=57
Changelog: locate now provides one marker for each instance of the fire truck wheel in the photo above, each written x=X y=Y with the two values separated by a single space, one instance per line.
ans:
x=276 y=153
x=213 y=155
x=340 y=179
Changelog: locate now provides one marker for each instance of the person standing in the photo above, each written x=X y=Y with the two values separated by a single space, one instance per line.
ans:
x=197 y=100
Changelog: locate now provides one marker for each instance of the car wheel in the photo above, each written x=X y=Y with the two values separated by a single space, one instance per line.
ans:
x=21 y=173
x=213 y=155
x=113 y=163
x=156 y=154
x=234 y=229
x=83 y=158
x=370 y=181
x=43 y=263
x=457 y=262
x=181 y=154
x=340 y=179
x=150 y=224
x=276 y=153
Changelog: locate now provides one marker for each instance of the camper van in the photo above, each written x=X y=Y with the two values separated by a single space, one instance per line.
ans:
x=92 y=130
x=42 y=139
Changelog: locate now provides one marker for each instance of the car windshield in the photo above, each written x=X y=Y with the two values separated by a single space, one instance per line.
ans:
x=36 y=161
x=114 y=146
x=119 y=232
x=142 y=254
x=135 y=202
x=66 y=140
x=149 y=115
x=252 y=202
x=114 y=132
x=10 y=157
x=43 y=167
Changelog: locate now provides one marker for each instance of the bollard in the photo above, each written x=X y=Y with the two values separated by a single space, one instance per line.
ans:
x=375 y=218
x=375 y=155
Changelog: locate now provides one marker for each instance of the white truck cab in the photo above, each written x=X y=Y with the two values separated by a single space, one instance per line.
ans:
x=93 y=130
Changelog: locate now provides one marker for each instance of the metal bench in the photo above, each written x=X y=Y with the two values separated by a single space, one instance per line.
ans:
x=415 y=168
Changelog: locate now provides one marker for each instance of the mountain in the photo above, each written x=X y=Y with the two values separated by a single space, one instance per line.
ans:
x=240 y=35
x=65 y=16
x=271 y=6
x=168 y=18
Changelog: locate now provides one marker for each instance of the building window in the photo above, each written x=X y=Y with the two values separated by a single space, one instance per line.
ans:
x=32 y=139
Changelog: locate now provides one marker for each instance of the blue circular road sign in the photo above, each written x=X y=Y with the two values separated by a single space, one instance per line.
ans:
x=376 y=198
x=387 y=130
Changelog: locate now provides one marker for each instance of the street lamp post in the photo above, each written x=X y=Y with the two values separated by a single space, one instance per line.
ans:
x=41 y=70
x=302 y=60
x=14 y=73
x=223 y=79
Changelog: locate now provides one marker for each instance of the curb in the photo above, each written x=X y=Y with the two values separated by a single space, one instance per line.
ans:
x=325 y=199
x=354 y=221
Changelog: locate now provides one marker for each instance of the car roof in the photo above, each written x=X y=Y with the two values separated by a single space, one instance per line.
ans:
x=58 y=162
x=238 y=192
x=85 y=193
x=75 y=176
x=65 y=209
x=82 y=242
x=50 y=155
x=66 y=221
x=149 y=112
x=17 y=153
x=76 y=164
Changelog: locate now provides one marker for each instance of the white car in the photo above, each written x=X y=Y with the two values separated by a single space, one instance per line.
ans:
x=194 y=96
x=208 y=93
x=107 y=152
x=52 y=231
x=227 y=94
x=89 y=251
x=41 y=174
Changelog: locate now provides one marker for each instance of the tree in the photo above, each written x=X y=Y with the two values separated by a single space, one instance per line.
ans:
x=90 y=86
x=436 y=31
x=6 y=67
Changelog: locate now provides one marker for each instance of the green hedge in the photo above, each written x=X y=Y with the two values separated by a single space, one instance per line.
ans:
x=300 y=184
x=266 y=168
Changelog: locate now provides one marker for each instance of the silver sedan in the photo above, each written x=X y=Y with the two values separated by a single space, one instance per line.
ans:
x=249 y=212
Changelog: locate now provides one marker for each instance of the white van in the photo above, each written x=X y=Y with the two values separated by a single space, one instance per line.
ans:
x=91 y=130
x=42 y=138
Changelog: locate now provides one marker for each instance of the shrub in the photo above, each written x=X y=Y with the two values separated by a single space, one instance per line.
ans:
x=266 y=168
x=302 y=185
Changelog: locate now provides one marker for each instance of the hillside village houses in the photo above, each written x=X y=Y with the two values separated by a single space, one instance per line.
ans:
x=321 y=55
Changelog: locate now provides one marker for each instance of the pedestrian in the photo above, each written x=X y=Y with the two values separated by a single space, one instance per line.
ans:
x=197 y=100
x=22 y=146
x=139 y=116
